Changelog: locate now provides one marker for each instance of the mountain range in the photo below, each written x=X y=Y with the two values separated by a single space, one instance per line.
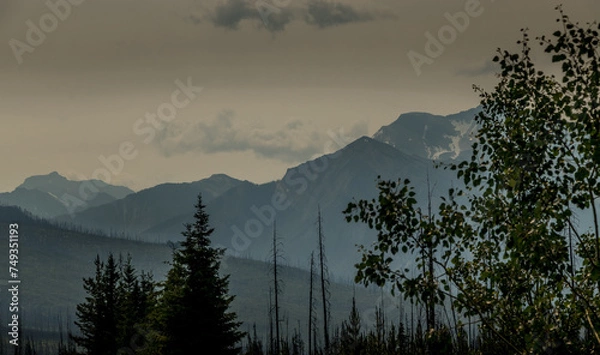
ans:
x=60 y=247
x=244 y=214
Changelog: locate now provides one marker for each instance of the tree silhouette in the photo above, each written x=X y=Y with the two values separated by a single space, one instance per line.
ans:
x=194 y=308
x=118 y=300
x=97 y=316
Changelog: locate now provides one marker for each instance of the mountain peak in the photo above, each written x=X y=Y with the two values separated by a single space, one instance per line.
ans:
x=366 y=143
x=57 y=185
x=361 y=141
x=431 y=136
x=35 y=181
x=220 y=176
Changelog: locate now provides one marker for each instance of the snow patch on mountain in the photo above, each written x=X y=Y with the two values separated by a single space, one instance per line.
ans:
x=431 y=136
x=53 y=195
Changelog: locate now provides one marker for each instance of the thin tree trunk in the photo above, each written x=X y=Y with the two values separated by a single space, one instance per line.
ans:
x=310 y=303
x=430 y=303
x=324 y=284
x=276 y=288
x=271 y=338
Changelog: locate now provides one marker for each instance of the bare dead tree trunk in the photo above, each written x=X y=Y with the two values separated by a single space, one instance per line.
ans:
x=324 y=284
x=276 y=291
x=310 y=303
x=430 y=302
x=271 y=338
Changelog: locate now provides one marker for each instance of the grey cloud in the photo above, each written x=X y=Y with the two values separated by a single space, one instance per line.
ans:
x=359 y=129
x=196 y=20
x=319 y=13
x=291 y=143
x=276 y=22
x=232 y=12
x=325 y=14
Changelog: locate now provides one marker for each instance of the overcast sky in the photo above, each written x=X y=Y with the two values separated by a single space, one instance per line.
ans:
x=276 y=77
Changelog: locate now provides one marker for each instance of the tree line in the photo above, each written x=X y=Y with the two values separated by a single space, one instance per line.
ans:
x=126 y=312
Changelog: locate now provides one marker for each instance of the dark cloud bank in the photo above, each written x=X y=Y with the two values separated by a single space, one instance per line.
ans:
x=319 y=13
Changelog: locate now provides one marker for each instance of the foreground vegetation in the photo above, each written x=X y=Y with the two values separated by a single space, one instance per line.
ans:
x=507 y=251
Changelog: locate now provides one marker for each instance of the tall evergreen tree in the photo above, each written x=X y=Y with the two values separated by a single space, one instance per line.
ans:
x=130 y=304
x=194 y=308
x=117 y=301
x=97 y=316
x=137 y=300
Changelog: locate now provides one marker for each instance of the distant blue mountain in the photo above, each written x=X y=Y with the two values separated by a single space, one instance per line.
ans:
x=43 y=195
x=145 y=209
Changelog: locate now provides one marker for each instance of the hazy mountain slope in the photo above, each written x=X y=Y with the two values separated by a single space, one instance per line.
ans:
x=44 y=195
x=431 y=136
x=243 y=213
x=244 y=217
x=57 y=185
x=35 y=201
x=171 y=229
x=153 y=206
x=53 y=262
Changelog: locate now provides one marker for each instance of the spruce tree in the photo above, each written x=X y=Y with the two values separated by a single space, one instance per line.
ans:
x=117 y=302
x=129 y=307
x=137 y=300
x=97 y=316
x=194 y=307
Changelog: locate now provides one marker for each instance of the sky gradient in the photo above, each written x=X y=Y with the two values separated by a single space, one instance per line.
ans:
x=277 y=77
